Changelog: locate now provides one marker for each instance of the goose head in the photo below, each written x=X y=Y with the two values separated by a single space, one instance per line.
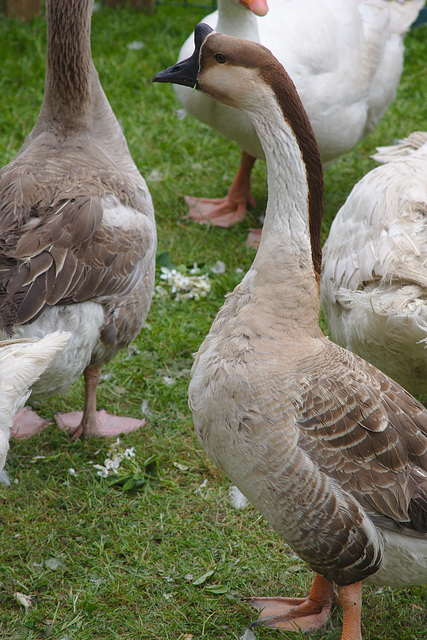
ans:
x=228 y=69
x=247 y=76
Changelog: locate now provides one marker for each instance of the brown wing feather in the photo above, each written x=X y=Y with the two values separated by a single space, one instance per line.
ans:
x=372 y=441
x=65 y=254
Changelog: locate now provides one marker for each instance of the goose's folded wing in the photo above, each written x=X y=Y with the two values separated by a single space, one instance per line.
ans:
x=72 y=252
x=379 y=234
x=365 y=431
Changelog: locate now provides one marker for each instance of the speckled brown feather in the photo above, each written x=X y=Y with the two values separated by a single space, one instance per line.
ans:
x=372 y=441
x=58 y=251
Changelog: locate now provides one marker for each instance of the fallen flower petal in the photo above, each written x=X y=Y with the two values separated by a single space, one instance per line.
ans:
x=23 y=599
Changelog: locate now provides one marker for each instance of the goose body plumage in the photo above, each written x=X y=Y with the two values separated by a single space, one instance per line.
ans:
x=21 y=364
x=326 y=446
x=345 y=58
x=78 y=235
x=374 y=276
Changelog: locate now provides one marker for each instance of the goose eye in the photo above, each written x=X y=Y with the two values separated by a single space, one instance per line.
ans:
x=220 y=57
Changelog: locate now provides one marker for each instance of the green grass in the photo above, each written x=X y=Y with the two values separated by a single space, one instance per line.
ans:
x=101 y=563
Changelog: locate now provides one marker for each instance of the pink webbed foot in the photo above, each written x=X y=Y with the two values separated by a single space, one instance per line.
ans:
x=291 y=614
x=308 y=614
x=107 y=425
x=221 y=212
x=227 y=211
x=27 y=424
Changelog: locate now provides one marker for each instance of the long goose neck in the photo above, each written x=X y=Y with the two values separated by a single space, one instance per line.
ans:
x=236 y=20
x=74 y=99
x=289 y=255
x=69 y=66
x=74 y=103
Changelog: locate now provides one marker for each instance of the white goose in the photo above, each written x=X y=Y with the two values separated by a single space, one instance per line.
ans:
x=21 y=363
x=345 y=58
x=328 y=448
x=374 y=276
x=77 y=229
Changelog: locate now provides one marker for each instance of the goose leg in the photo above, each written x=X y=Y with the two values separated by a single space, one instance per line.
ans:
x=307 y=614
x=227 y=211
x=350 y=599
x=92 y=423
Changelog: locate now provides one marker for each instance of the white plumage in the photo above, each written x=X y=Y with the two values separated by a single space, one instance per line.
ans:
x=374 y=277
x=21 y=364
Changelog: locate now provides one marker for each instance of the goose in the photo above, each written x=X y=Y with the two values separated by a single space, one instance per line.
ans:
x=374 y=276
x=77 y=228
x=329 y=449
x=345 y=58
x=21 y=364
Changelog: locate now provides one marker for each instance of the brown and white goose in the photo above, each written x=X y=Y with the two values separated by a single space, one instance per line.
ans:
x=77 y=229
x=328 y=448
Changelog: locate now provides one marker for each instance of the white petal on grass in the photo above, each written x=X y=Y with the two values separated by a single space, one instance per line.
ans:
x=238 y=500
x=136 y=45
x=72 y=472
x=101 y=470
x=185 y=286
x=145 y=409
x=180 y=466
x=218 y=267
x=168 y=381
x=112 y=463
x=201 y=486
x=23 y=599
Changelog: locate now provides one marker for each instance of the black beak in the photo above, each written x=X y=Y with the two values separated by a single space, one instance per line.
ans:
x=186 y=71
